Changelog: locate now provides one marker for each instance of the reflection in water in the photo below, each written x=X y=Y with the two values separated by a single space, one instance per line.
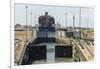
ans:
x=50 y=53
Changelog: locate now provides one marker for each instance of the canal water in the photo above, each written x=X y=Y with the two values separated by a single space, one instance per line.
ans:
x=50 y=53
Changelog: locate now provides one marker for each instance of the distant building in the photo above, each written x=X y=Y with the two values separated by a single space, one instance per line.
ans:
x=19 y=27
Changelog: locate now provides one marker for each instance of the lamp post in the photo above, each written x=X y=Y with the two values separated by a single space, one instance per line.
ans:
x=26 y=21
x=30 y=18
x=87 y=20
x=73 y=23
x=31 y=23
x=80 y=23
x=66 y=23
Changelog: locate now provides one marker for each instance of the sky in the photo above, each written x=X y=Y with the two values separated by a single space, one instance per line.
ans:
x=62 y=14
